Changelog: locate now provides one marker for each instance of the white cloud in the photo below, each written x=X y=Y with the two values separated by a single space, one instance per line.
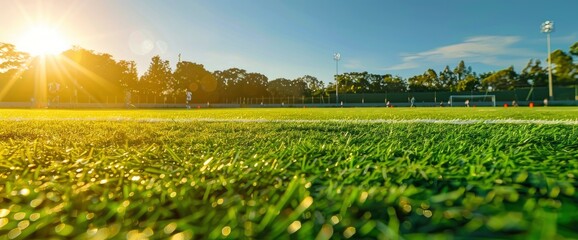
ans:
x=566 y=39
x=403 y=66
x=489 y=50
x=353 y=64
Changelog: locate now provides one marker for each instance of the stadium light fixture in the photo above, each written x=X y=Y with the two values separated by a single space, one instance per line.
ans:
x=548 y=27
x=336 y=57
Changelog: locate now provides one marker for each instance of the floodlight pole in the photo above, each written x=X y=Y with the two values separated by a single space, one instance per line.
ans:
x=548 y=27
x=336 y=57
x=550 y=90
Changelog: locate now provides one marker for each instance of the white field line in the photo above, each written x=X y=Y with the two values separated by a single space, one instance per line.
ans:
x=351 y=121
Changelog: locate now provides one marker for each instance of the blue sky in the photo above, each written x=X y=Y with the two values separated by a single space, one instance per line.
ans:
x=294 y=38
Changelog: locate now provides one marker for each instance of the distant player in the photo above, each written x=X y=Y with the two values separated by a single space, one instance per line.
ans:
x=467 y=102
x=412 y=101
x=189 y=98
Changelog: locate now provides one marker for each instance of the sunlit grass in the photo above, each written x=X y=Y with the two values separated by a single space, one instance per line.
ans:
x=91 y=176
x=480 y=113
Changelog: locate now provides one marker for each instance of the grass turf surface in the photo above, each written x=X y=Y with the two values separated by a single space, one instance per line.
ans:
x=116 y=174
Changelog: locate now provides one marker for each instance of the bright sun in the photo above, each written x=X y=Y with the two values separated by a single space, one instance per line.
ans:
x=43 y=41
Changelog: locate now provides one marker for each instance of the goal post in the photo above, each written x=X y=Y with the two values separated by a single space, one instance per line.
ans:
x=455 y=100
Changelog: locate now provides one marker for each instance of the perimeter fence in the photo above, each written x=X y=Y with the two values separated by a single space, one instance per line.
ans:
x=523 y=96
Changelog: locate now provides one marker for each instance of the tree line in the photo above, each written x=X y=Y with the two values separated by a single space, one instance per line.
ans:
x=87 y=76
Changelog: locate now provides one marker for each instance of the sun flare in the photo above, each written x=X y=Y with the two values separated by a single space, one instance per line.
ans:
x=43 y=40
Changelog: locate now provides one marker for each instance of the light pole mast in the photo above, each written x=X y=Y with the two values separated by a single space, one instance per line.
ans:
x=548 y=27
x=336 y=57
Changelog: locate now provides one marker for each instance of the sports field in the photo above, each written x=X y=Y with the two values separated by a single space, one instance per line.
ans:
x=302 y=173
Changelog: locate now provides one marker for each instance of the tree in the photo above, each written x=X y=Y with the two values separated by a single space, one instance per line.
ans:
x=279 y=88
x=314 y=87
x=10 y=59
x=393 y=84
x=254 y=85
x=446 y=80
x=428 y=81
x=188 y=75
x=464 y=79
x=204 y=86
x=469 y=83
x=574 y=49
x=158 y=79
x=345 y=83
x=231 y=78
x=240 y=84
x=128 y=76
x=12 y=66
x=86 y=75
x=298 y=87
x=501 y=80
x=284 y=88
x=374 y=83
x=533 y=74
x=358 y=82
x=418 y=83
x=574 y=52
x=564 y=68
x=460 y=71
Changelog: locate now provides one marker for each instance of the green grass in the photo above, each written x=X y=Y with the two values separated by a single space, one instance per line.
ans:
x=480 y=113
x=144 y=173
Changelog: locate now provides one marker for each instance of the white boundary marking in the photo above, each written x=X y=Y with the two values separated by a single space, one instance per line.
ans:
x=352 y=121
